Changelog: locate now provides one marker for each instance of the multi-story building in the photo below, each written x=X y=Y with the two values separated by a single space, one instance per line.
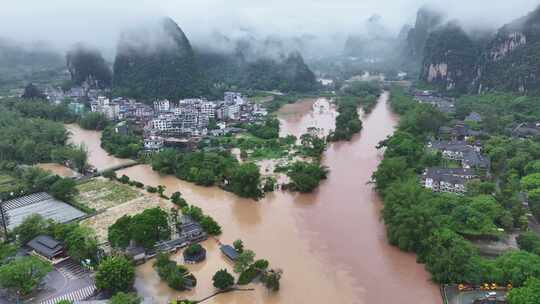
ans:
x=233 y=97
x=208 y=109
x=162 y=106
x=103 y=105
x=162 y=124
x=153 y=143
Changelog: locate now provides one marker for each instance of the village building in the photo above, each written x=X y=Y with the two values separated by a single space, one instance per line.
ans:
x=188 y=232
x=460 y=131
x=48 y=248
x=103 y=105
x=443 y=104
x=41 y=203
x=229 y=252
x=474 y=117
x=451 y=180
x=469 y=155
x=153 y=143
x=526 y=130
x=162 y=106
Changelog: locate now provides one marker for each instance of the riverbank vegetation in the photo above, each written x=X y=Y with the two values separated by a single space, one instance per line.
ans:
x=121 y=145
x=209 y=169
x=268 y=129
x=146 y=229
x=177 y=276
x=94 y=121
x=441 y=227
x=305 y=177
x=36 y=140
x=250 y=269
x=115 y=274
x=40 y=109
x=28 y=180
x=353 y=95
x=208 y=224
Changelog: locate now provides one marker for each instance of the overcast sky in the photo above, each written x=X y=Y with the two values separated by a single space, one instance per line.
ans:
x=64 y=22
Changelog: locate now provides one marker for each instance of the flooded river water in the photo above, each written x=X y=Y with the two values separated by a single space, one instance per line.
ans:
x=330 y=244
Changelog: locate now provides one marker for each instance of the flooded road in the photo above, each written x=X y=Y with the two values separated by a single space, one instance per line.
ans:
x=330 y=244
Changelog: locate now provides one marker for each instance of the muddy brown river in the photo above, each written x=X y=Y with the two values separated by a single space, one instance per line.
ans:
x=330 y=244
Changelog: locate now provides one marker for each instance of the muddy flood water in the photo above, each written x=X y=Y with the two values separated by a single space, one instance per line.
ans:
x=330 y=244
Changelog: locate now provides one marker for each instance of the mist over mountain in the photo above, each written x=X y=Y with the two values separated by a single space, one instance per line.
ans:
x=427 y=20
x=511 y=60
x=87 y=65
x=508 y=59
x=247 y=62
x=156 y=60
x=374 y=43
x=230 y=45
x=450 y=57
x=21 y=63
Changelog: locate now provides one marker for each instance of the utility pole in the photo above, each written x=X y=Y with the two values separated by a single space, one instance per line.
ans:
x=4 y=218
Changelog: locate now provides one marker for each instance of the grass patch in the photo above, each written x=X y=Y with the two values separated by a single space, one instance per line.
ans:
x=266 y=153
x=5 y=179
x=447 y=163
x=102 y=194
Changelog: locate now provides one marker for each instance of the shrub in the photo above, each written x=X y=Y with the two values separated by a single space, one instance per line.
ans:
x=223 y=279
x=115 y=274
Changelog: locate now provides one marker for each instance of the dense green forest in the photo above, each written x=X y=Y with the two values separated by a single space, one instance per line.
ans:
x=439 y=227
x=28 y=136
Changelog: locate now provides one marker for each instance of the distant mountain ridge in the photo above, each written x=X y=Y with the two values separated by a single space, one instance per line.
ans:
x=160 y=62
x=508 y=60
x=246 y=67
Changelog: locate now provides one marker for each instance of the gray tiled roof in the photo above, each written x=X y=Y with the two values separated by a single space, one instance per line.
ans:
x=229 y=251
x=434 y=172
x=43 y=204
x=46 y=246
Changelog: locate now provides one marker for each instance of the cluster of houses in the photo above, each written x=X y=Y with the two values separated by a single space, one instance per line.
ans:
x=187 y=232
x=468 y=155
x=458 y=145
x=444 y=104
x=168 y=124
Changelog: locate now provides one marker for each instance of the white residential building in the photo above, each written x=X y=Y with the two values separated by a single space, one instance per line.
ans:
x=162 y=105
x=208 y=109
x=162 y=124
